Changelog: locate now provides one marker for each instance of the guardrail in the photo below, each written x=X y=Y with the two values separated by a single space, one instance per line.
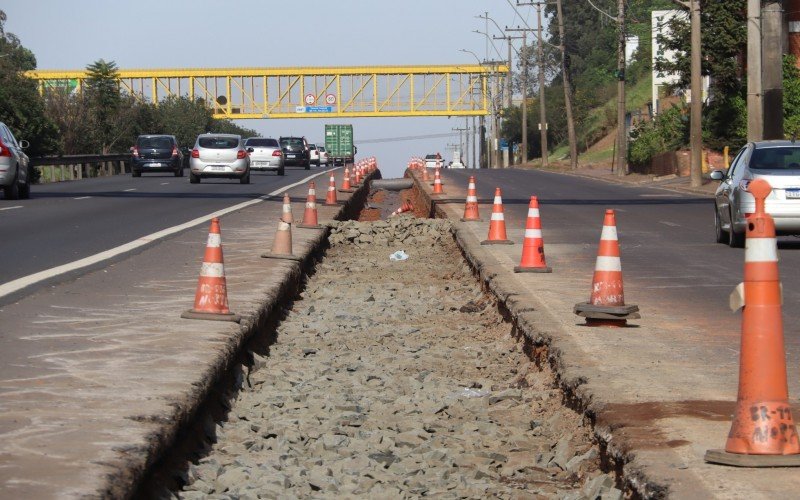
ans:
x=74 y=167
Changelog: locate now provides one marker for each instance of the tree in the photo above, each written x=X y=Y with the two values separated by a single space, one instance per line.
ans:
x=21 y=106
x=183 y=118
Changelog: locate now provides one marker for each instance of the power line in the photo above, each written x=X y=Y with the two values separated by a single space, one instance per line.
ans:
x=406 y=138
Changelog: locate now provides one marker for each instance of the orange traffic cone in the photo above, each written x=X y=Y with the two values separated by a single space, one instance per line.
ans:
x=471 y=205
x=763 y=433
x=282 y=245
x=346 y=187
x=331 y=198
x=425 y=177
x=357 y=170
x=211 y=297
x=310 y=220
x=606 y=306
x=533 y=245
x=286 y=215
x=353 y=182
x=437 y=183
x=497 y=225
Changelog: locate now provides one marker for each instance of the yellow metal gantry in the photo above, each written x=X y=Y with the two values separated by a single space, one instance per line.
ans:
x=325 y=92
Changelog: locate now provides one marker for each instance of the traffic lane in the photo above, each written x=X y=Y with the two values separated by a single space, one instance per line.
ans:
x=670 y=260
x=67 y=221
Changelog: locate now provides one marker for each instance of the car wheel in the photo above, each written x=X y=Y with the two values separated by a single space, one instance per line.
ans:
x=308 y=164
x=11 y=192
x=735 y=240
x=721 y=234
x=281 y=171
x=179 y=172
x=245 y=179
x=25 y=190
x=194 y=178
x=136 y=173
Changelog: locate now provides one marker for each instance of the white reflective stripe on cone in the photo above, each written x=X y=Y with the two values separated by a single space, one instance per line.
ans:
x=605 y=263
x=761 y=250
x=312 y=192
x=283 y=226
x=609 y=233
x=472 y=198
x=498 y=216
x=287 y=209
x=533 y=233
x=533 y=212
x=212 y=270
x=311 y=205
x=498 y=200
x=214 y=240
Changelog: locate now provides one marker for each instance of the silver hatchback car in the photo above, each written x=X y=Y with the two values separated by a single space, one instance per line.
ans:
x=266 y=154
x=777 y=162
x=14 y=178
x=220 y=155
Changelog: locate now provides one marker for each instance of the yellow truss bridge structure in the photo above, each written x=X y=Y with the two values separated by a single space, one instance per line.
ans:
x=325 y=92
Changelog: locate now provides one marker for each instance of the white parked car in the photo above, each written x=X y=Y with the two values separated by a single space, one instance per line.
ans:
x=313 y=154
x=220 y=155
x=323 y=155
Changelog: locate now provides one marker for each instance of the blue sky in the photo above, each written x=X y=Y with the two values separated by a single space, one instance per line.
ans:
x=237 y=33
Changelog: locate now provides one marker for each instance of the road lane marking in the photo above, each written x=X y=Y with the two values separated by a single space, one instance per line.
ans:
x=164 y=183
x=11 y=208
x=26 y=281
x=667 y=223
x=665 y=195
x=82 y=198
x=129 y=190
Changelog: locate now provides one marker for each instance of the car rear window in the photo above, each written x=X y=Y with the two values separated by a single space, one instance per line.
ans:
x=784 y=158
x=292 y=142
x=430 y=157
x=262 y=143
x=219 y=142
x=154 y=143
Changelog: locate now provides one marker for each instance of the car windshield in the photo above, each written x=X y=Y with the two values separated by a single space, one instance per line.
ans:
x=312 y=146
x=154 y=143
x=261 y=143
x=431 y=157
x=780 y=158
x=218 y=142
x=321 y=148
x=295 y=143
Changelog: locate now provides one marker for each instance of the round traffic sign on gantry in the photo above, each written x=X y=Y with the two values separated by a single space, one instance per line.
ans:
x=330 y=99
x=311 y=99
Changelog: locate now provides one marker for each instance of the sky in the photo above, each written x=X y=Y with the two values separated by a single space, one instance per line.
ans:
x=70 y=34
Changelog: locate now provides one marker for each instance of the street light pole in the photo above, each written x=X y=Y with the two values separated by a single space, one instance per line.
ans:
x=542 y=108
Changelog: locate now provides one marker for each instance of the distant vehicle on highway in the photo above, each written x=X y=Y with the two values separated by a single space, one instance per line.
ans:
x=220 y=155
x=157 y=153
x=323 y=155
x=777 y=162
x=295 y=151
x=266 y=155
x=14 y=166
x=313 y=154
x=432 y=160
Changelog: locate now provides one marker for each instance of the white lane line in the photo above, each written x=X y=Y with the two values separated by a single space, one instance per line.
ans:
x=82 y=198
x=31 y=279
x=164 y=183
x=667 y=223
x=129 y=190
x=11 y=208
x=665 y=195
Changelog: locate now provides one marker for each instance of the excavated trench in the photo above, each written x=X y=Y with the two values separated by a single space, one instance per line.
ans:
x=392 y=374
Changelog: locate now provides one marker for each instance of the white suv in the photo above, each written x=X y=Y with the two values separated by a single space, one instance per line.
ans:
x=14 y=171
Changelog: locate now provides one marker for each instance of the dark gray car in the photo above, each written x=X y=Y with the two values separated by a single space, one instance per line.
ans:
x=156 y=153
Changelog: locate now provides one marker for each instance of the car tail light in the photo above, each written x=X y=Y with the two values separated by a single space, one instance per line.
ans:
x=135 y=152
x=744 y=184
x=241 y=154
x=4 y=151
x=277 y=152
x=195 y=153
x=174 y=150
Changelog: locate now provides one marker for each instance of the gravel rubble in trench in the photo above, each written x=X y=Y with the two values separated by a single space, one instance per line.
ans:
x=398 y=379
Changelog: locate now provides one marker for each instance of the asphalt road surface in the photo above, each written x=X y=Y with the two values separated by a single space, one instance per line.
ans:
x=67 y=221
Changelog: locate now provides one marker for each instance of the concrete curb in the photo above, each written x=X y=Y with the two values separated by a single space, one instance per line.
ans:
x=644 y=184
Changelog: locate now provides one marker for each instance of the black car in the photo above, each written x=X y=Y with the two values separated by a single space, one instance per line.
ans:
x=295 y=151
x=157 y=153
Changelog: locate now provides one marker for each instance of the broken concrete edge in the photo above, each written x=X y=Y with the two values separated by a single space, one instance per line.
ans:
x=531 y=317
x=134 y=465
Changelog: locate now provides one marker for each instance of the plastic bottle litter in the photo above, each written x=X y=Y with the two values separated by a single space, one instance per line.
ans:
x=398 y=255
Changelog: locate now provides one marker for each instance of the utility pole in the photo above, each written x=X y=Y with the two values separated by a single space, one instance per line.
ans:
x=622 y=135
x=466 y=136
x=542 y=108
x=755 y=110
x=696 y=87
x=524 y=56
x=461 y=142
x=572 y=137
x=772 y=69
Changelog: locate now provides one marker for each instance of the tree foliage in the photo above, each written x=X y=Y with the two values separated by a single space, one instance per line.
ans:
x=21 y=106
